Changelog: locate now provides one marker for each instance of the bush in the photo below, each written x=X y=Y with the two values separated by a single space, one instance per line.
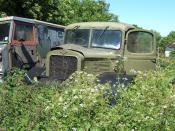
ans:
x=172 y=54
x=80 y=103
x=73 y=104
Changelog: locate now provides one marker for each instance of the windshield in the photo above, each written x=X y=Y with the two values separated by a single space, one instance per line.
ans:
x=106 y=38
x=77 y=36
x=4 y=32
x=23 y=32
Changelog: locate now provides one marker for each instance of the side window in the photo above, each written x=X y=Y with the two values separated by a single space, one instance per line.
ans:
x=44 y=40
x=4 y=31
x=56 y=36
x=140 y=42
x=48 y=38
x=23 y=32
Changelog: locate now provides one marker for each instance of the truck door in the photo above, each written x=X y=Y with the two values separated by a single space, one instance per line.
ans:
x=24 y=44
x=140 y=51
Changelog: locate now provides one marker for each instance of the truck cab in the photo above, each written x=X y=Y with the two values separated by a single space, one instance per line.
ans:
x=102 y=48
x=24 y=43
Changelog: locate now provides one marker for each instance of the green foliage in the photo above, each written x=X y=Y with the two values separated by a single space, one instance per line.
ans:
x=136 y=26
x=146 y=103
x=80 y=103
x=14 y=78
x=172 y=54
x=58 y=11
x=29 y=8
x=158 y=38
x=83 y=11
x=167 y=40
x=45 y=106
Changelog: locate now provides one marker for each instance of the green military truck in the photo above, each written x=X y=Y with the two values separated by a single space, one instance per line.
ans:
x=102 y=48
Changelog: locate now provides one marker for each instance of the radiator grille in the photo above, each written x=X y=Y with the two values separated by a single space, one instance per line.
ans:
x=96 y=66
x=61 y=67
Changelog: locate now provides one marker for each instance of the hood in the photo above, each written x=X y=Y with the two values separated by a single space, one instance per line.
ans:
x=91 y=52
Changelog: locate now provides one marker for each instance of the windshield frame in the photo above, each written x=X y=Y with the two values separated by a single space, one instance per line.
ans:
x=9 y=32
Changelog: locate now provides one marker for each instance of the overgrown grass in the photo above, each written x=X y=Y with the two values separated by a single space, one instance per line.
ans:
x=81 y=104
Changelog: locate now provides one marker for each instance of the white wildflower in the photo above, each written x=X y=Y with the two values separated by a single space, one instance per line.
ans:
x=92 y=90
x=139 y=72
x=94 y=101
x=124 y=78
x=47 y=108
x=75 y=109
x=133 y=71
x=89 y=75
x=60 y=99
x=75 y=97
x=54 y=118
x=73 y=90
x=173 y=96
x=116 y=62
x=81 y=105
x=80 y=96
x=144 y=74
x=164 y=106
x=66 y=92
x=147 y=117
x=71 y=77
x=122 y=85
x=65 y=107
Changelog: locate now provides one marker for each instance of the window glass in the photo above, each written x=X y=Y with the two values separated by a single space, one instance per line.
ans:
x=55 y=36
x=4 y=31
x=23 y=32
x=77 y=36
x=48 y=38
x=140 y=42
x=106 y=39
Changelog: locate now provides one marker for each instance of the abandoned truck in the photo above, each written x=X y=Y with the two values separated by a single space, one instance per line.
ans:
x=102 y=48
x=24 y=42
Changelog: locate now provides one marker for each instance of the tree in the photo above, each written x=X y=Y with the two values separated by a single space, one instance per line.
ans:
x=84 y=11
x=38 y=9
x=114 y=18
x=136 y=26
x=158 y=37
x=58 y=11
x=167 y=40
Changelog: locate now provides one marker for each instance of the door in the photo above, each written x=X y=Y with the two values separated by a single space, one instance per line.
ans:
x=24 y=44
x=140 y=51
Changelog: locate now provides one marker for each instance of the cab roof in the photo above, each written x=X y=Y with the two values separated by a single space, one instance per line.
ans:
x=101 y=25
x=33 y=21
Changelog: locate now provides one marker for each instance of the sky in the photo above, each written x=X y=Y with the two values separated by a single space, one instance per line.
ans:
x=158 y=15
